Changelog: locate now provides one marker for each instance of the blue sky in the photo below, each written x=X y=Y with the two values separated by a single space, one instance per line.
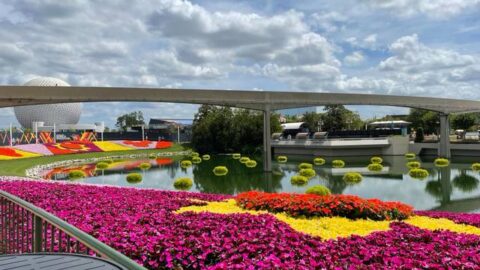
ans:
x=401 y=47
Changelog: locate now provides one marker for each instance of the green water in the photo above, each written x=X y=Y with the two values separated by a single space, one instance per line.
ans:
x=453 y=188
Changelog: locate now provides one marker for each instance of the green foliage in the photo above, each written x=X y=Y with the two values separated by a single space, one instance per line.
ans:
x=220 y=170
x=410 y=155
x=476 y=166
x=413 y=164
x=318 y=161
x=353 y=177
x=309 y=173
x=282 y=159
x=236 y=156
x=134 y=178
x=109 y=161
x=76 y=174
x=305 y=166
x=218 y=129
x=420 y=136
x=185 y=163
x=152 y=156
x=318 y=190
x=194 y=154
x=465 y=182
x=441 y=162
x=463 y=121
x=145 y=166
x=337 y=163
x=376 y=160
x=244 y=159
x=418 y=173
x=251 y=163
x=427 y=120
x=375 y=167
x=129 y=120
x=312 y=119
x=206 y=157
x=196 y=160
x=183 y=183
x=101 y=165
x=299 y=180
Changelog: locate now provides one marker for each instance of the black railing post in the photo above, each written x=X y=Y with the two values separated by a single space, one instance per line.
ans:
x=37 y=235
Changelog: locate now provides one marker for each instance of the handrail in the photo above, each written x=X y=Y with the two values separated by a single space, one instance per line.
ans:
x=39 y=221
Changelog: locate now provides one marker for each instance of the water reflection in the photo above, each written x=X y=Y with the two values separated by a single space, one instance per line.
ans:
x=453 y=188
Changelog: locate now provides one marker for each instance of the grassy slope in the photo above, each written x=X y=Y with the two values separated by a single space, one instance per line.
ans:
x=17 y=167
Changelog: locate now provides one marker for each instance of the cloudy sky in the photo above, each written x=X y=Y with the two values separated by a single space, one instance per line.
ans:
x=402 y=47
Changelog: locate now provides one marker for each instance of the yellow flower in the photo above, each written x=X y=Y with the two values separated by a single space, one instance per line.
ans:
x=111 y=146
x=441 y=224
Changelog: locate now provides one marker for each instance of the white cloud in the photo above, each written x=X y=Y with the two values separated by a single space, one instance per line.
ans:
x=439 y=9
x=329 y=21
x=368 y=42
x=354 y=58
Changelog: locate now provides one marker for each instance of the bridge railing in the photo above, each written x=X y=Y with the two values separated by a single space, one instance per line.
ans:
x=25 y=228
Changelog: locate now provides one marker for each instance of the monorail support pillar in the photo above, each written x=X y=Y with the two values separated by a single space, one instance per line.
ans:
x=444 y=145
x=267 y=138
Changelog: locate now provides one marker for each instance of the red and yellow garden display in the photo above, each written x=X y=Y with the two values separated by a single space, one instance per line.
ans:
x=181 y=230
x=77 y=147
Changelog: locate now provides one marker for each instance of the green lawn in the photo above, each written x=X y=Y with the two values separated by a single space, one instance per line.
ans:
x=17 y=167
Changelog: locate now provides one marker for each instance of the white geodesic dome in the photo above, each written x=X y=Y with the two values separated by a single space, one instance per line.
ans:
x=66 y=113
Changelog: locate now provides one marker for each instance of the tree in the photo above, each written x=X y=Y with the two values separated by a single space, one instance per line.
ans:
x=337 y=117
x=425 y=119
x=129 y=120
x=312 y=119
x=463 y=121
x=218 y=129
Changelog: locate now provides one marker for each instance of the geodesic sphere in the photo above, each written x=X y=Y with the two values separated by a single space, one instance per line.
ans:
x=64 y=113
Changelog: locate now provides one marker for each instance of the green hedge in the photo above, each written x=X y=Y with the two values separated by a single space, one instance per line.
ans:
x=299 y=180
x=318 y=190
x=282 y=159
x=375 y=167
x=410 y=155
x=251 y=164
x=309 y=173
x=413 y=164
x=236 y=156
x=183 y=183
x=441 y=162
x=76 y=174
x=220 y=170
x=134 y=178
x=305 y=166
x=206 y=157
x=418 y=173
x=196 y=160
x=185 y=163
x=101 y=165
x=476 y=166
x=377 y=160
x=244 y=159
x=337 y=163
x=145 y=166
x=318 y=161
x=352 y=177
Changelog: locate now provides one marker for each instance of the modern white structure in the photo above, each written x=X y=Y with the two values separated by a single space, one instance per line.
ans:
x=50 y=114
x=266 y=101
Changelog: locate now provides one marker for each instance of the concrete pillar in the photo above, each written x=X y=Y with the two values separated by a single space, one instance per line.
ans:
x=444 y=145
x=267 y=146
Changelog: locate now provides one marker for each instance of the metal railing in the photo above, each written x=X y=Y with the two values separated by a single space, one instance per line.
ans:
x=25 y=228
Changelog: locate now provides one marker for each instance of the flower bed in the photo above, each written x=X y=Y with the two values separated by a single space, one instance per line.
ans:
x=144 y=225
x=313 y=205
x=460 y=218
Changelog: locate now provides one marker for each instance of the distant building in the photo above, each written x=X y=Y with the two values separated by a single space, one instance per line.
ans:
x=170 y=129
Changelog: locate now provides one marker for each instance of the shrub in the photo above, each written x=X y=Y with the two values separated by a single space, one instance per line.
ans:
x=109 y=161
x=337 y=163
x=282 y=159
x=236 y=156
x=377 y=160
x=251 y=164
x=476 y=166
x=352 y=177
x=145 y=166
x=441 y=162
x=185 y=163
x=101 y=165
x=465 y=182
x=194 y=154
x=410 y=155
x=196 y=160
x=349 y=206
x=206 y=157
x=299 y=180
x=305 y=166
x=418 y=173
x=419 y=137
x=76 y=174
x=318 y=190
x=220 y=170
x=134 y=178
x=244 y=159
x=152 y=156
x=413 y=164
x=375 y=167
x=318 y=161
x=309 y=173
x=183 y=183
